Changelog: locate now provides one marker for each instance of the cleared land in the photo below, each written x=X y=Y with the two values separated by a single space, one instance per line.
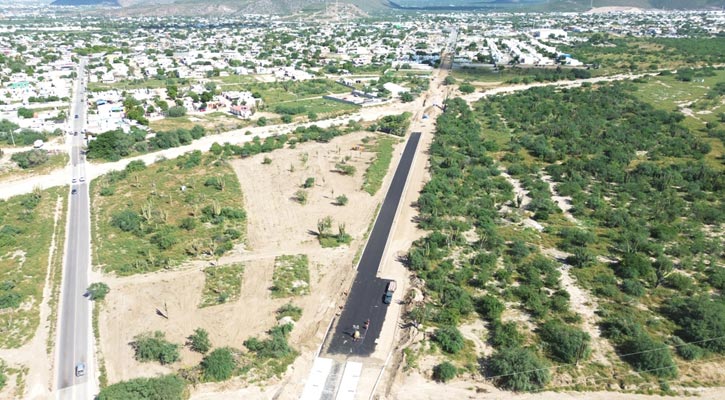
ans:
x=277 y=225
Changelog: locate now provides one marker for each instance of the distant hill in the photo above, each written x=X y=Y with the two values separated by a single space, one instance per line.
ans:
x=286 y=7
x=85 y=3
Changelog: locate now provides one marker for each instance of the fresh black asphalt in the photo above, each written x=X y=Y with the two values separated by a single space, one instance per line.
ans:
x=365 y=300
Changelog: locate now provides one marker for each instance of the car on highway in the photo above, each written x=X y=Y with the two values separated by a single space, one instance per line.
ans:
x=74 y=191
x=80 y=369
x=388 y=298
x=74 y=180
x=76 y=116
x=82 y=179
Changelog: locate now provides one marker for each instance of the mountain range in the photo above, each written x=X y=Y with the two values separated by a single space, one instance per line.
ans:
x=286 y=7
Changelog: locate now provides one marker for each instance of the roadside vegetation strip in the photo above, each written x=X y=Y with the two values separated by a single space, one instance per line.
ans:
x=54 y=274
x=291 y=276
x=159 y=216
x=163 y=387
x=222 y=284
x=26 y=231
x=377 y=170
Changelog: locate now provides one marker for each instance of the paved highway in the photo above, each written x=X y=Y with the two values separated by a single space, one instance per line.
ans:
x=74 y=346
x=366 y=296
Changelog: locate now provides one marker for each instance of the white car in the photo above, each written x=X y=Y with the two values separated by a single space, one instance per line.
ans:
x=74 y=180
x=82 y=179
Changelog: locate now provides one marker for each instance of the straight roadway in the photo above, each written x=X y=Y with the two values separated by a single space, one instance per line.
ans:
x=73 y=345
x=365 y=301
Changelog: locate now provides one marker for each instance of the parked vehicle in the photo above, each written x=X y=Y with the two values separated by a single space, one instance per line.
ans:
x=388 y=298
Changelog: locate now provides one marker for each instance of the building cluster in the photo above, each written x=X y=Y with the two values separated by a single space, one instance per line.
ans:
x=143 y=57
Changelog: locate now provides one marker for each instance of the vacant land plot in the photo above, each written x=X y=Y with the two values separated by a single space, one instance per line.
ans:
x=213 y=122
x=291 y=276
x=222 y=284
x=156 y=217
x=278 y=226
x=26 y=230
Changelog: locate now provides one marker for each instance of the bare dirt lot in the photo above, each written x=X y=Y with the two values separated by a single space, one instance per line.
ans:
x=277 y=224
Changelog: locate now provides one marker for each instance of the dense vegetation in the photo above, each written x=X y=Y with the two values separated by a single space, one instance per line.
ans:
x=11 y=133
x=30 y=158
x=628 y=53
x=116 y=144
x=646 y=209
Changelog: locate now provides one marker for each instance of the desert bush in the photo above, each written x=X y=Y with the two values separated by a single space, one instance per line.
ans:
x=155 y=347
x=159 y=388
x=444 y=372
x=565 y=343
x=218 y=365
x=450 y=339
x=97 y=291
x=519 y=369
x=199 y=341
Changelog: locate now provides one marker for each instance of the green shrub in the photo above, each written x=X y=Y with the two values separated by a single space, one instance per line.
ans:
x=30 y=158
x=127 y=221
x=168 y=387
x=565 y=343
x=717 y=278
x=647 y=354
x=679 y=282
x=489 y=307
x=633 y=288
x=309 y=182
x=97 y=291
x=154 y=347
x=505 y=334
x=176 y=111
x=107 y=191
x=450 y=339
x=219 y=365
x=444 y=372
x=275 y=346
x=341 y=200
x=700 y=320
x=188 y=223
x=199 y=341
x=135 y=166
x=688 y=351
x=289 y=310
x=519 y=369
x=346 y=169
x=164 y=239
x=466 y=88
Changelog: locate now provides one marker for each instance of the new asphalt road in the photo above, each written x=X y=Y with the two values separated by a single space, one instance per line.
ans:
x=73 y=346
x=365 y=301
